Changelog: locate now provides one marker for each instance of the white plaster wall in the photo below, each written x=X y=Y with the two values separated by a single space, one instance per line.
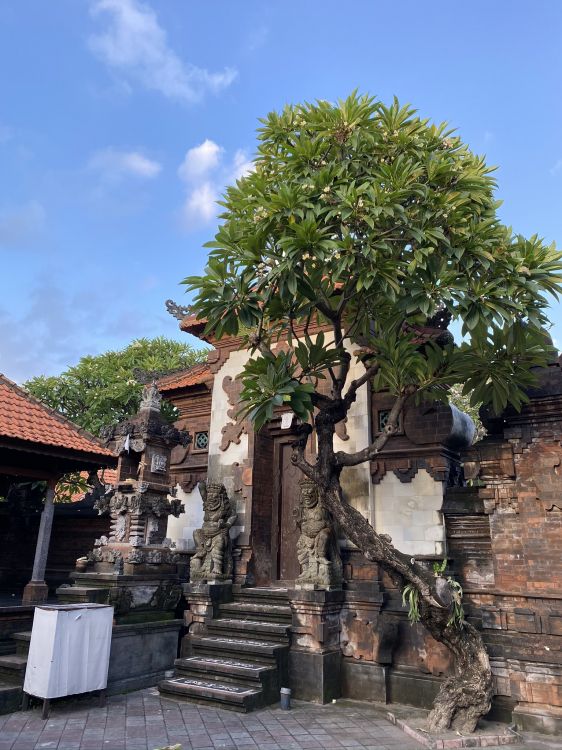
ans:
x=356 y=480
x=411 y=513
x=221 y=462
x=180 y=530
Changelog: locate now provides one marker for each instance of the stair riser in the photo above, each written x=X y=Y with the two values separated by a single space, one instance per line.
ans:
x=12 y=676
x=265 y=614
x=10 y=699
x=250 y=599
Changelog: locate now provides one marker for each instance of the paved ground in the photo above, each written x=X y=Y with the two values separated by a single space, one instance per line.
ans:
x=143 y=721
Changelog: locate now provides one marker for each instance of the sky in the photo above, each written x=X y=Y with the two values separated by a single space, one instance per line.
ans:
x=121 y=121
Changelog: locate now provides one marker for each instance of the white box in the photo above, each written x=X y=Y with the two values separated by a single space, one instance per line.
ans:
x=69 y=650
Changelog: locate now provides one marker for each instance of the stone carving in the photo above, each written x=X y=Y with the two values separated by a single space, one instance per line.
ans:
x=151 y=398
x=158 y=464
x=178 y=311
x=317 y=547
x=232 y=431
x=212 y=560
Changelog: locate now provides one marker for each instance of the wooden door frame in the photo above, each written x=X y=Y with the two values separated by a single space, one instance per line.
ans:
x=279 y=441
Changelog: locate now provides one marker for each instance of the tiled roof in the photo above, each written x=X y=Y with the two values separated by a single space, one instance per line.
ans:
x=23 y=417
x=194 y=375
x=192 y=321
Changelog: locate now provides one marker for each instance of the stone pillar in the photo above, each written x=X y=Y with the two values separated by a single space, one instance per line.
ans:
x=315 y=656
x=36 y=590
x=203 y=601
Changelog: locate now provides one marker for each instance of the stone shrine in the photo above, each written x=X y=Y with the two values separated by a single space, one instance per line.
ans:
x=135 y=567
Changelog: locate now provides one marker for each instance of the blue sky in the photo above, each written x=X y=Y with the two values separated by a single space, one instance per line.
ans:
x=122 y=120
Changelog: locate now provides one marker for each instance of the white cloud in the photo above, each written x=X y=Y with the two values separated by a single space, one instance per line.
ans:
x=200 y=205
x=20 y=225
x=557 y=167
x=205 y=172
x=200 y=160
x=112 y=165
x=241 y=165
x=135 y=44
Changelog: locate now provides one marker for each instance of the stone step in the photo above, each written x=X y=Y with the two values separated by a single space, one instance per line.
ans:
x=228 y=670
x=22 y=641
x=10 y=698
x=256 y=650
x=253 y=629
x=12 y=668
x=226 y=695
x=256 y=610
x=270 y=595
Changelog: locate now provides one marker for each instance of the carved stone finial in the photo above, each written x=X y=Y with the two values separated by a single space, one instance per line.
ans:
x=317 y=547
x=178 y=311
x=212 y=560
x=151 y=398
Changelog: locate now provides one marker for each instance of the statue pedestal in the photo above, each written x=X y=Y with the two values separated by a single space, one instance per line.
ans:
x=143 y=596
x=315 y=655
x=203 y=601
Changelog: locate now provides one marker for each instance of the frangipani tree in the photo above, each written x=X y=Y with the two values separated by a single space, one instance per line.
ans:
x=376 y=225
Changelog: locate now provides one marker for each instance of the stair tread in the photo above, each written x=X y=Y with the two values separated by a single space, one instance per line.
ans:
x=256 y=607
x=24 y=635
x=235 y=623
x=214 y=685
x=217 y=662
x=17 y=661
x=237 y=643
x=6 y=687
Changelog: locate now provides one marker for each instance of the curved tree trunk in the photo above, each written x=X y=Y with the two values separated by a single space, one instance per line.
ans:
x=465 y=696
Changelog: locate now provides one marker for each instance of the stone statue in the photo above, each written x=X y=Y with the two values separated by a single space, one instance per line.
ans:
x=212 y=560
x=317 y=547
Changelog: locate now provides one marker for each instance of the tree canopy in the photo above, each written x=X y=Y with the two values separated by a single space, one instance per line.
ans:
x=374 y=222
x=363 y=231
x=104 y=389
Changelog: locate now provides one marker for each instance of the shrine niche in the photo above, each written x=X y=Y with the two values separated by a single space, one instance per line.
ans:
x=317 y=546
x=135 y=567
x=212 y=561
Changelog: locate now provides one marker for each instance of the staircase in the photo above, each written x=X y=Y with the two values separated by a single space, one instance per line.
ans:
x=241 y=661
x=12 y=673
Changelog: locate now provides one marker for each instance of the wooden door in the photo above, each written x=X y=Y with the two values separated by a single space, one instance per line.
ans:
x=288 y=567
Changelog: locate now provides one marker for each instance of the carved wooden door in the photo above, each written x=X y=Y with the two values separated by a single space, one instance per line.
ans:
x=288 y=494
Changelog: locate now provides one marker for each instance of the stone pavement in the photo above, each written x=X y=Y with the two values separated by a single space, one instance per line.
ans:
x=144 y=721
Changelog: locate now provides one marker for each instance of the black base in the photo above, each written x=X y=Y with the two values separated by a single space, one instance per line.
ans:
x=315 y=677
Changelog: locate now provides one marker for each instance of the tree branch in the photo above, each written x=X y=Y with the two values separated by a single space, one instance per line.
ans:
x=368 y=453
x=299 y=447
x=354 y=386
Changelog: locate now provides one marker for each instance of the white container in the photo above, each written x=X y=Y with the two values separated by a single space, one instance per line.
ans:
x=69 y=650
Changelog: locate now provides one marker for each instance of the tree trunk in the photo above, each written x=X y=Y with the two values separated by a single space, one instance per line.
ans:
x=465 y=696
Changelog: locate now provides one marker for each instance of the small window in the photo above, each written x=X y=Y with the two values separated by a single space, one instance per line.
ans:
x=201 y=442
x=383 y=416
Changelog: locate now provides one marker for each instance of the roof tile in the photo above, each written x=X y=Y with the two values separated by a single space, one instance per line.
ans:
x=23 y=417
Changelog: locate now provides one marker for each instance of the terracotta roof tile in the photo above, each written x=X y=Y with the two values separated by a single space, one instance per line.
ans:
x=194 y=375
x=23 y=417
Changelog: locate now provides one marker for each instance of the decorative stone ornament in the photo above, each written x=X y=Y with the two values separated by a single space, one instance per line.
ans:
x=212 y=561
x=317 y=546
x=134 y=567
